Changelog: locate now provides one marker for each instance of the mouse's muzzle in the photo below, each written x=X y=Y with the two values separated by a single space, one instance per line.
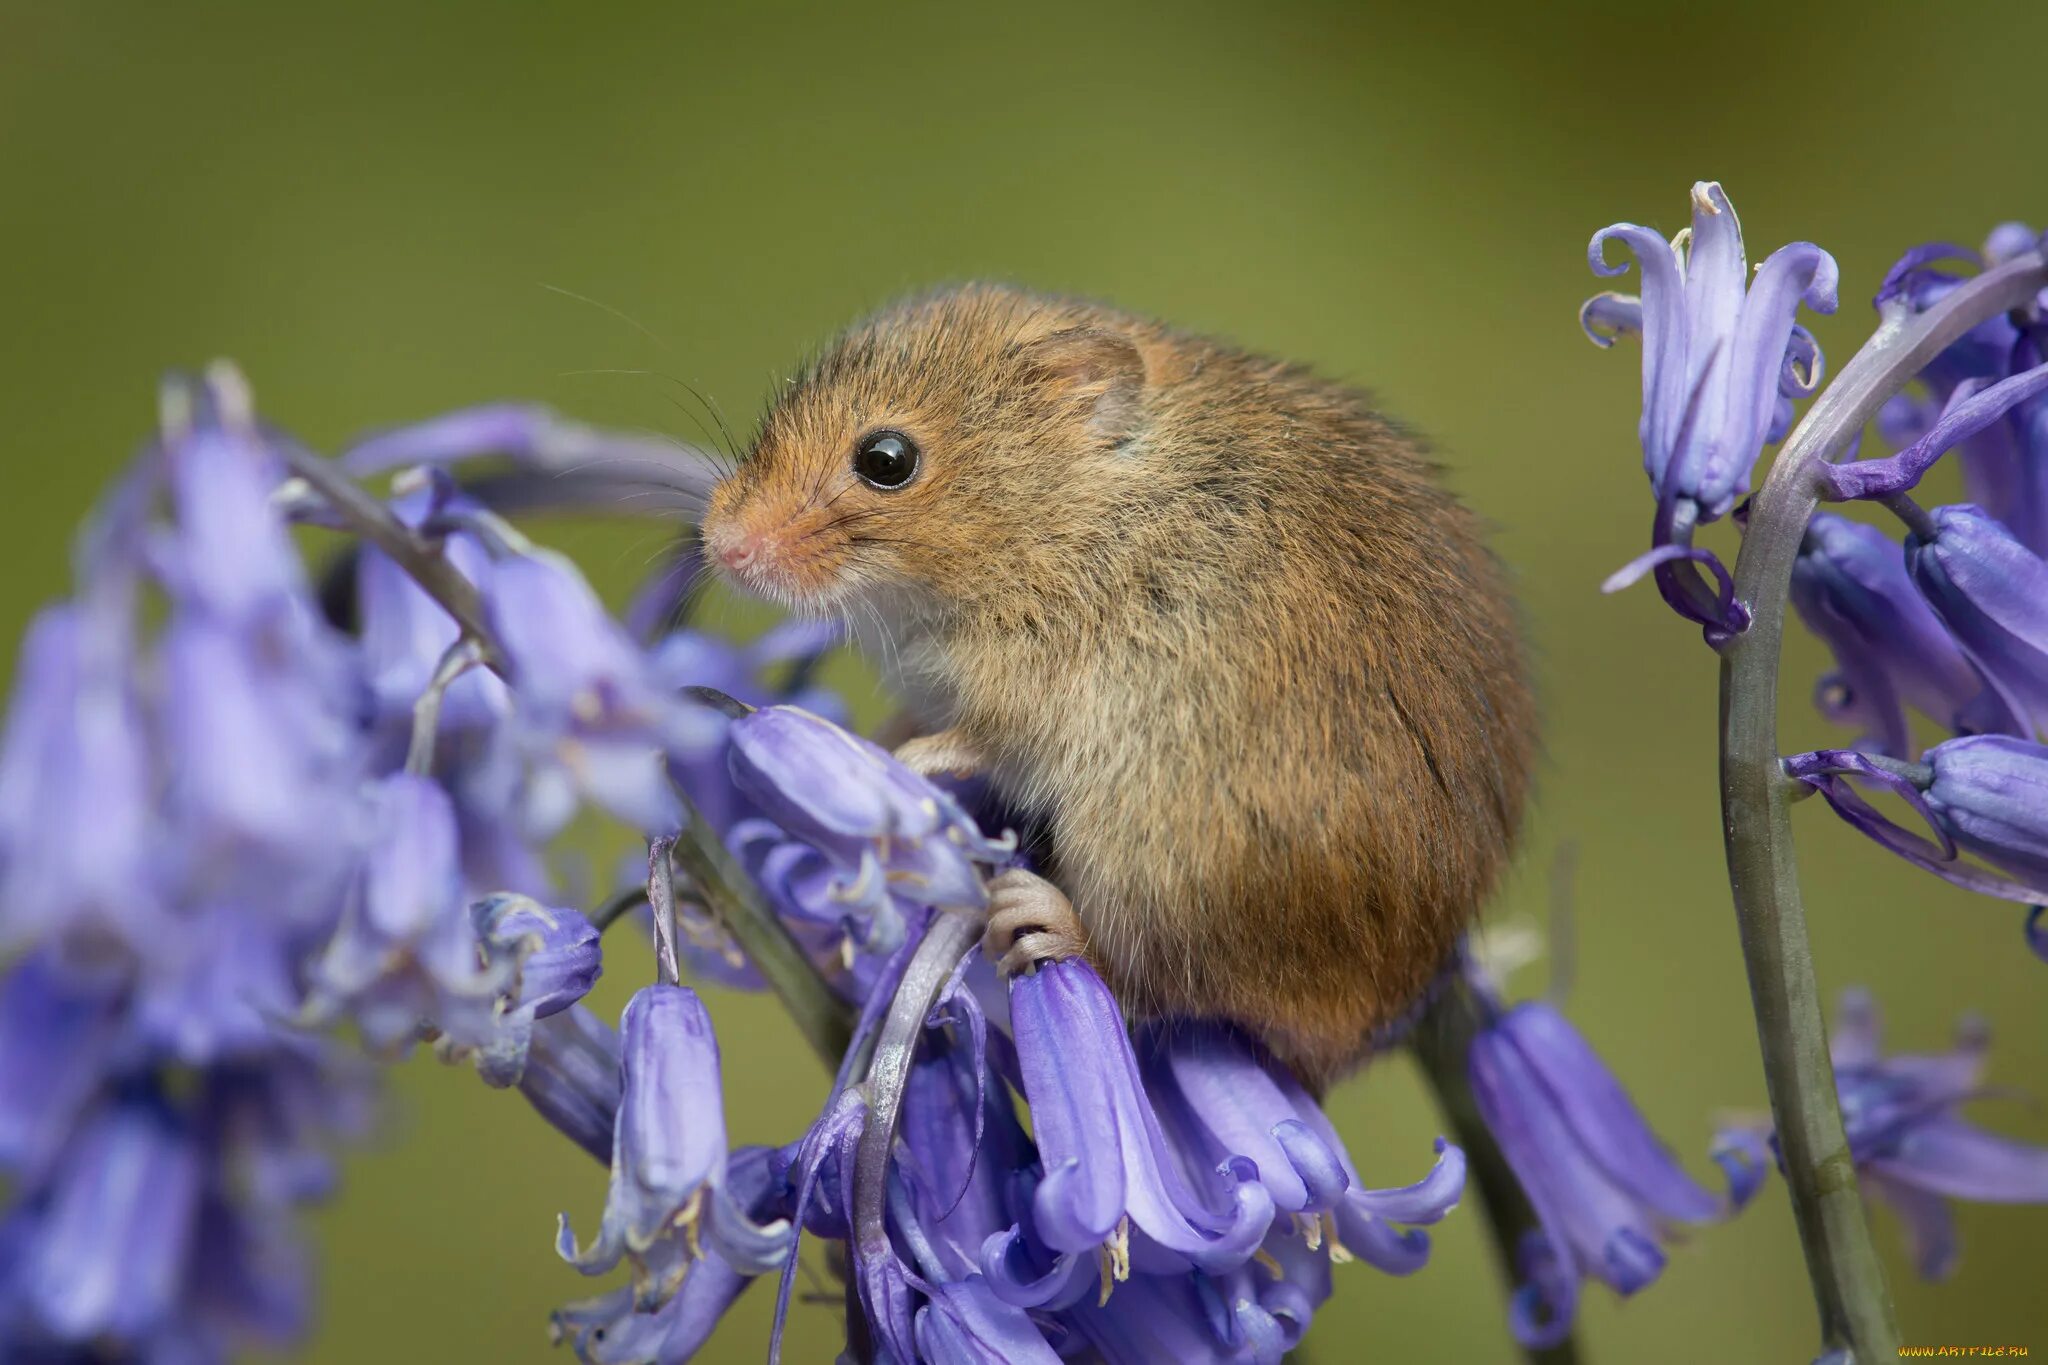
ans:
x=793 y=555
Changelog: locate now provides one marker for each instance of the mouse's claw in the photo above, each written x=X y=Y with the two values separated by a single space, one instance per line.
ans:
x=1029 y=921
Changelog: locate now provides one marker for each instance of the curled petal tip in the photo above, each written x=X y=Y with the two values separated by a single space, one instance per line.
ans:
x=1641 y=240
x=1609 y=316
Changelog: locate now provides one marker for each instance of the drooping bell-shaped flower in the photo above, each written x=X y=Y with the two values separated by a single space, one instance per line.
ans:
x=1722 y=355
x=107 y=1254
x=76 y=800
x=587 y=700
x=1985 y=395
x=1982 y=794
x=1220 y=1099
x=571 y=1078
x=1602 y=1184
x=669 y=1195
x=619 y=1328
x=896 y=839
x=58 y=1027
x=1109 y=1173
x=1851 y=588
x=1992 y=594
x=404 y=962
x=1909 y=1140
x=554 y=958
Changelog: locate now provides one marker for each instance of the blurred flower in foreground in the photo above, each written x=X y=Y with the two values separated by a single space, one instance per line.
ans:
x=1912 y=1147
x=167 y=854
x=1604 y=1187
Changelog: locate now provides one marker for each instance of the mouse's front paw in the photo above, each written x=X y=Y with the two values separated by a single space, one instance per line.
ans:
x=1029 y=921
x=946 y=754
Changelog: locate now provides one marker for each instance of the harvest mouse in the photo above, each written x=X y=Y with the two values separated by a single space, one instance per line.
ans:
x=1209 y=619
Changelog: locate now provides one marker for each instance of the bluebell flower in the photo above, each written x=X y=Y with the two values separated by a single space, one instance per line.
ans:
x=1603 y=1186
x=1111 y=1181
x=1223 y=1100
x=587 y=698
x=1722 y=359
x=167 y=853
x=554 y=958
x=1913 y=1149
x=669 y=1193
x=404 y=962
x=571 y=1077
x=1982 y=794
x=1891 y=651
x=76 y=786
x=618 y=1329
x=1983 y=396
x=896 y=839
x=1992 y=594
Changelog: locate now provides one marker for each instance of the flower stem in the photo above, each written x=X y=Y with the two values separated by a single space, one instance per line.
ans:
x=371 y=520
x=730 y=894
x=947 y=939
x=1441 y=1040
x=1848 y=1283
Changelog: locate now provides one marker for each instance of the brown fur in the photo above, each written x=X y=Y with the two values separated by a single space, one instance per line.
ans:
x=1210 y=617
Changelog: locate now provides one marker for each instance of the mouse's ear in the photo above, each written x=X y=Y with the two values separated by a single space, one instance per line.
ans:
x=1100 y=366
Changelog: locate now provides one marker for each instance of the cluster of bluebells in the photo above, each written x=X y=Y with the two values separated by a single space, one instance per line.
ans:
x=1938 y=628
x=240 y=809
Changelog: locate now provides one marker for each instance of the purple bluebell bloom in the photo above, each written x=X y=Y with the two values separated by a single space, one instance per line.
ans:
x=1110 y=1177
x=1221 y=1099
x=1992 y=594
x=1983 y=794
x=1983 y=396
x=571 y=1077
x=1912 y=1148
x=112 y=1242
x=1851 y=588
x=1722 y=359
x=669 y=1186
x=1602 y=1184
x=896 y=839
x=76 y=796
x=404 y=962
x=619 y=1329
x=588 y=700
x=555 y=959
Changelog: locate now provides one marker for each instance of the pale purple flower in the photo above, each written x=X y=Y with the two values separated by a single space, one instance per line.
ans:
x=555 y=959
x=1602 y=1184
x=587 y=699
x=76 y=785
x=1992 y=594
x=1996 y=417
x=1982 y=794
x=669 y=1191
x=404 y=963
x=1851 y=588
x=112 y=1237
x=1722 y=358
x=571 y=1077
x=1221 y=1100
x=1913 y=1149
x=896 y=839
x=1110 y=1177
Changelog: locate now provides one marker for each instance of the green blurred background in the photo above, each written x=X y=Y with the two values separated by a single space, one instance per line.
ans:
x=363 y=206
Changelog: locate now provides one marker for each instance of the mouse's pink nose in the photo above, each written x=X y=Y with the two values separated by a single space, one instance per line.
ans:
x=738 y=551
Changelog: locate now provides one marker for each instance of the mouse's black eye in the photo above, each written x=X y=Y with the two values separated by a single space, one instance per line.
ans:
x=885 y=459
